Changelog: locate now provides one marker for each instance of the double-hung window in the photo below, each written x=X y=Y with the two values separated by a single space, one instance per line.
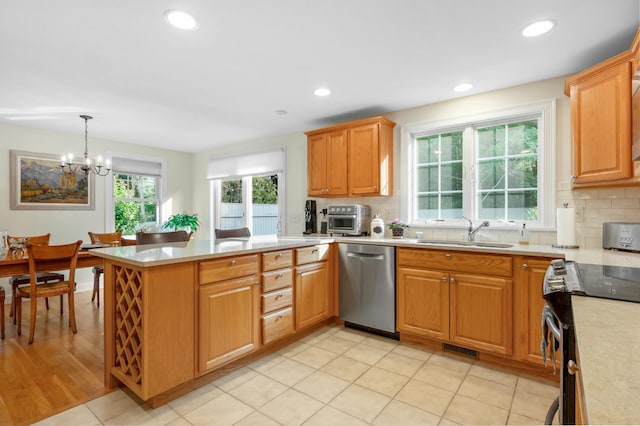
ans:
x=496 y=167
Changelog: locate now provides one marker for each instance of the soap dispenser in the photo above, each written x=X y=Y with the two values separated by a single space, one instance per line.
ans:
x=524 y=235
x=377 y=227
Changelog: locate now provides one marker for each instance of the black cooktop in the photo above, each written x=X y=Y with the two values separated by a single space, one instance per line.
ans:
x=610 y=282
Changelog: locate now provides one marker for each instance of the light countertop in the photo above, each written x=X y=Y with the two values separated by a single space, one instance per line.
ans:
x=608 y=337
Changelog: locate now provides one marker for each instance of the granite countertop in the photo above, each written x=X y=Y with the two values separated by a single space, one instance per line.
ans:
x=608 y=338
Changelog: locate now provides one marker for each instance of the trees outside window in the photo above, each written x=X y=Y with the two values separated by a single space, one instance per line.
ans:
x=135 y=201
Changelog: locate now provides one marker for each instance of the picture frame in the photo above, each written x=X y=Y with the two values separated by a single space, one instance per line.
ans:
x=38 y=183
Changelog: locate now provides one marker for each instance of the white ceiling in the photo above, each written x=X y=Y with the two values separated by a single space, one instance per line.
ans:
x=148 y=83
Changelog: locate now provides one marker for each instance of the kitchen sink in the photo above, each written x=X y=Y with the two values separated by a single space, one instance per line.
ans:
x=466 y=243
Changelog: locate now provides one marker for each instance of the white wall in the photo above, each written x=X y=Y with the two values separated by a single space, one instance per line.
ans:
x=597 y=205
x=68 y=226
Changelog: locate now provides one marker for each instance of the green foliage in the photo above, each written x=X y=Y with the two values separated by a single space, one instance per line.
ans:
x=135 y=203
x=264 y=190
x=182 y=220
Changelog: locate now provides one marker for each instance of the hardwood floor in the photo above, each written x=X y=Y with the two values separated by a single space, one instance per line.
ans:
x=59 y=370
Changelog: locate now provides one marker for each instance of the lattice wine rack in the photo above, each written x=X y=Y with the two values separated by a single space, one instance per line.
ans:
x=128 y=319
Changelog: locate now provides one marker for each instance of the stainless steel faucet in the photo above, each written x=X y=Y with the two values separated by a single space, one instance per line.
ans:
x=471 y=231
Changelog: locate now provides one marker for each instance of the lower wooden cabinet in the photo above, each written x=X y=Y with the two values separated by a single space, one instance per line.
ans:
x=312 y=294
x=277 y=324
x=229 y=321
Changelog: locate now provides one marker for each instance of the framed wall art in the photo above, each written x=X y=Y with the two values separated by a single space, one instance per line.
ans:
x=38 y=183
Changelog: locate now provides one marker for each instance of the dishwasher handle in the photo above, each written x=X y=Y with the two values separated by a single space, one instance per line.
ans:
x=366 y=255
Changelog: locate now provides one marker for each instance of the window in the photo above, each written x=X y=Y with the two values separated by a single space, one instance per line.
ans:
x=136 y=202
x=497 y=167
x=136 y=193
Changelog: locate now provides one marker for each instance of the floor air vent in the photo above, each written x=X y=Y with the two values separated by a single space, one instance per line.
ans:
x=460 y=351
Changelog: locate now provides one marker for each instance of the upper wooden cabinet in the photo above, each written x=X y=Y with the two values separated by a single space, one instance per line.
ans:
x=351 y=159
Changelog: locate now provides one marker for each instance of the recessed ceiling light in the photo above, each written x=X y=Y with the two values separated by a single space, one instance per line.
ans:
x=281 y=112
x=181 y=20
x=322 y=91
x=463 y=87
x=538 y=28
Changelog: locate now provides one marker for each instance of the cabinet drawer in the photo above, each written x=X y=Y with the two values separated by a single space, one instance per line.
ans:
x=277 y=260
x=227 y=268
x=490 y=264
x=276 y=325
x=312 y=254
x=276 y=300
x=277 y=279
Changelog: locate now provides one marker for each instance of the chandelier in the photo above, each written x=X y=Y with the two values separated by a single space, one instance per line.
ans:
x=70 y=167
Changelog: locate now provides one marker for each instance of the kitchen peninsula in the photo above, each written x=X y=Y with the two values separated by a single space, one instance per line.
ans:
x=174 y=313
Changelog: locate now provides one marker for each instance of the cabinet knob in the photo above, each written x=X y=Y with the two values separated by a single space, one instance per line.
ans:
x=279 y=295
x=453 y=280
x=279 y=275
x=444 y=279
x=257 y=283
x=447 y=256
x=375 y=187
x=315 y=250
x=572 y=367
x=525 y=266
x=299 y=273
x=280 y=316
x=233 y=262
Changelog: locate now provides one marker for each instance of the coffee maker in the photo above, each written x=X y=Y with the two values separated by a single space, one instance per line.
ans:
x=310 y=217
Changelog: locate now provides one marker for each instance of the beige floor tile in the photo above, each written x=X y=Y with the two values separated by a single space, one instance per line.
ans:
x=468 y=411
x=452 y=362
x=293 y=349
x=494 y=374
x=531 y=405
x=321 y=386
x=318 y=336
x=351 y=334
x=258 y=391
x=225 y=409
x=346 y=368
x=360 y=402
x=180 y=421
x=266 y=362
x=517 y=419
x=380 y=342
x=291 y=408
x=538 y=387
x=314 y=357
x=289 y=372
x=365 y=353
x=398 y=413
x=412 y=352
x=234 y=378
x=80 y=415
x=447 y=422
x=144 y=416
x=336 y=344
x=441 y=377
x=489 y=392
x=425 y=396
x=257 y=419
x=194 y=399
x=330 y=416
x=382 y=381
x=400 y=364
x=112 y=404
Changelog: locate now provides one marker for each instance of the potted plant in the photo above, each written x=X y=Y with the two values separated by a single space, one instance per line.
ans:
x=188 y=222
x=397 y=228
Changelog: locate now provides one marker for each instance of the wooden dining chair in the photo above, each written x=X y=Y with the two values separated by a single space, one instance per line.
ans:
x=112 y=239
x=44 y=259
x=161 y=237
x=43 y=278
x=231 y=233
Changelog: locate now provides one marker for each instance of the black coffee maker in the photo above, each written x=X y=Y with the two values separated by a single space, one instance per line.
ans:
x=310 y=217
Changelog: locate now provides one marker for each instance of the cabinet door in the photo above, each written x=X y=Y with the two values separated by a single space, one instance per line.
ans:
x=423 y=302
x=481 y=312
x=337 y=163
x=601 y=125
x=316 y=165
x=364 y=160
x=312 y=294
x=228 y=321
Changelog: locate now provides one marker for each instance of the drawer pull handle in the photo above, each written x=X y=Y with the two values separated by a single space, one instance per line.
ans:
x=525 y=266
x=257 y=283
x=279 y=295
x=314 y=250
x=447 y=256
x=233 y=262
x=280 y=275
x=280 y=316
x=278 y=256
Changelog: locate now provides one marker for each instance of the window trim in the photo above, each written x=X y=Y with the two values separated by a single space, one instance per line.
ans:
x=546 y=158
x=110 y=220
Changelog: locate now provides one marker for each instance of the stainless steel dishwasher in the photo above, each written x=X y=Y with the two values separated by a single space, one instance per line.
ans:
x=368 y=287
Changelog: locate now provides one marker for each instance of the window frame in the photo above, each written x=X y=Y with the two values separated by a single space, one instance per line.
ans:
x=546 y=162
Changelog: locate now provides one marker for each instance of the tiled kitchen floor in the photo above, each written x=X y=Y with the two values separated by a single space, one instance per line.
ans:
x=340 y=376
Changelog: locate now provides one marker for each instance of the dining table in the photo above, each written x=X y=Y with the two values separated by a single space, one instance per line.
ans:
x=10 y=266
